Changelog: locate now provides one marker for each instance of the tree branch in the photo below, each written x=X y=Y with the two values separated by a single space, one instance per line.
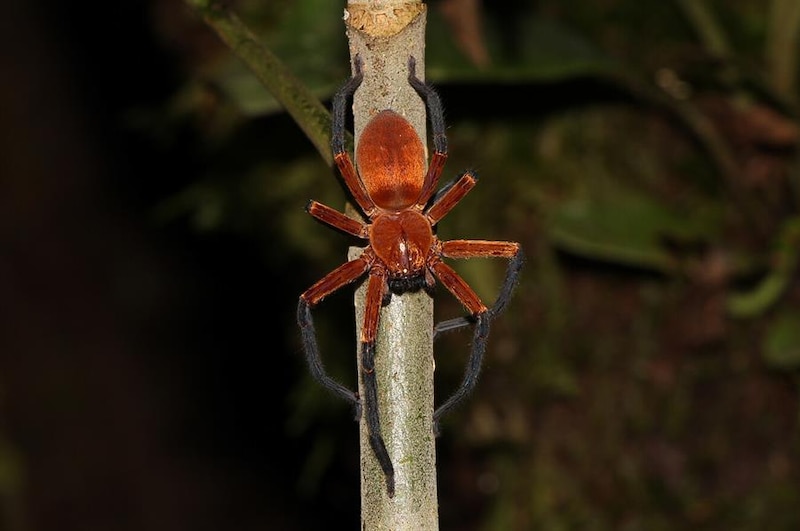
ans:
x=384 y=37
x=303 y=106
x=384 y=33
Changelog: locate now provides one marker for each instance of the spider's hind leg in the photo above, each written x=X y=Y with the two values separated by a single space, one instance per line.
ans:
x=436 y=117
x=434 y=104
x=340 y=155
x=339 y=106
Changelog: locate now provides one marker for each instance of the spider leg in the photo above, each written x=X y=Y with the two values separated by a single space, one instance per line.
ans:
x=450 y=324
x=337 y=220
x=484 y=249
x=467 y=297
x=336 y=279
x=340 y=155
x=450 y=196
x=434 y=104
x=480 y=315
x=471 y=373
x=376 y=288
x=436 y=117
x=339 y=105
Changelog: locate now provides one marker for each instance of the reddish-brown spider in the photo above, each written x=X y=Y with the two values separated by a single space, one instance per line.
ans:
x=396 y=194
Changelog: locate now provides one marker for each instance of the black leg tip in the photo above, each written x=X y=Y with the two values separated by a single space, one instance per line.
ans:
x=412 y=68
x=357 y=64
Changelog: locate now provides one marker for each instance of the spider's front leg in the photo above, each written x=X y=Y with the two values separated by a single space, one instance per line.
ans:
x=479 y=313
x=376 y=291
x=516 y=260
x=444 y=201
x=341 y=276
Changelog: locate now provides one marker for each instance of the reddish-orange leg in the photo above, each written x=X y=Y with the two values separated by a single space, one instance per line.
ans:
x=478 y=312
x=394 y=191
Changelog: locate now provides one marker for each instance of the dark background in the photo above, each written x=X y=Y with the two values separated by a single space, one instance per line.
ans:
x=154 y=244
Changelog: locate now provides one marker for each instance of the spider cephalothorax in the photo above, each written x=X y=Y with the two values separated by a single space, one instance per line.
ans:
x=396 y=195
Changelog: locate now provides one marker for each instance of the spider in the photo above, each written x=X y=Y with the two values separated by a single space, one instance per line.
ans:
x=403 y=254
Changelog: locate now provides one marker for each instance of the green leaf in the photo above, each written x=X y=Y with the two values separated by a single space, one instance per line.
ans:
x=627 y=228
x=309 y=36
x=782 y=341
x=778 y=278
x=278 y=79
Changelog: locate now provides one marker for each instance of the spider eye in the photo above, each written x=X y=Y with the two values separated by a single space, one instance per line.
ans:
x=402 y=242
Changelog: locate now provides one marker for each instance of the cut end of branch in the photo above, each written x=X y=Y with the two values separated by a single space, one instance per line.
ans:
x=381 y=19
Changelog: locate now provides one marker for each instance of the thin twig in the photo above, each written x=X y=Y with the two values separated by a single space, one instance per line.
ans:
x=384 y=39
x=304 y=107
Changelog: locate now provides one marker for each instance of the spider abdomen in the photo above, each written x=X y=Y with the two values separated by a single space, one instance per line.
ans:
x=401 y=240
x=391 y=161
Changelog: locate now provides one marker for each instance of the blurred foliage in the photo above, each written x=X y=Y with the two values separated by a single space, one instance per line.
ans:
x=645 y=154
